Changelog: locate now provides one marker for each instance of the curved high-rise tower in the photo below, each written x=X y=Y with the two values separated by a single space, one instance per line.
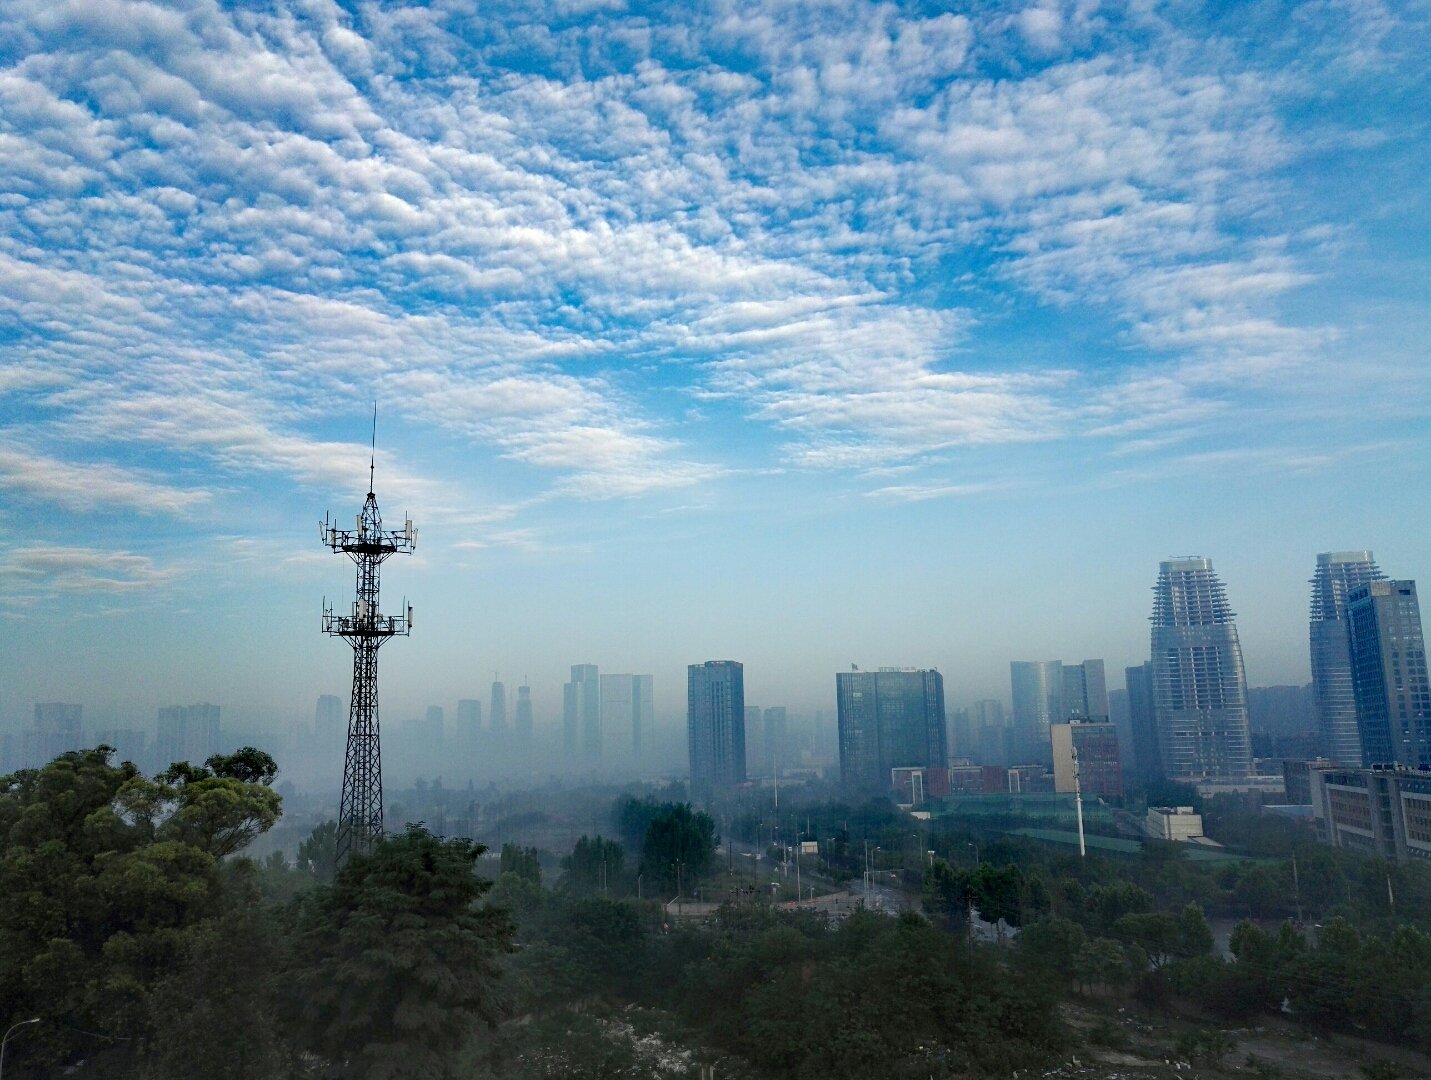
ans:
x=1199 y=685
x=1337 y=574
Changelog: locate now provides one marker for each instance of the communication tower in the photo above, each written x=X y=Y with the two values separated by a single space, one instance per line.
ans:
x=366 y=629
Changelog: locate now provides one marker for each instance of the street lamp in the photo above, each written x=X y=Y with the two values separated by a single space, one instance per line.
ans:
x=6 y=1039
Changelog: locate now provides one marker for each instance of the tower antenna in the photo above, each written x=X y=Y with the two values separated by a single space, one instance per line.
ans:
x=366 y=629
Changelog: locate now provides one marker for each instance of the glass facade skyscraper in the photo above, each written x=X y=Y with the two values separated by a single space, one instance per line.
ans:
x=715 y=724
x=890 y=718
x=1199 y=683
x=1037 y=687
x=1389 y=677
x=1338 y=574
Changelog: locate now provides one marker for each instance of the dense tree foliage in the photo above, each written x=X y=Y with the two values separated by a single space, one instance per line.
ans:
x=392 y=964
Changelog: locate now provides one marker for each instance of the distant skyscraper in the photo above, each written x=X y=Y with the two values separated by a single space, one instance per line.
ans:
x=328 y=719
x=890 y=718
x=58 y=729
x=1085 y=694
x=715 y=724
x=469 y=719
x=1199 y=684
x=497 y=715
x=523 y=723
x=774 y=731
x=581 y=712
x=1389 y=677
x=187 y=733
x=1338 y=574
x=993 y=734
x=1038 y=701
x=436 y=725
x=1143 y=721
x=626 y=713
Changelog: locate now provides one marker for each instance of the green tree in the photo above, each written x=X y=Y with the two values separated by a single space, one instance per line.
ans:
x=525 y=862
x=594 y=863
x=679 y=846
x=394 y=962
x=998 y=894
x=318 y=855
x=107 y=877
x=946 y=894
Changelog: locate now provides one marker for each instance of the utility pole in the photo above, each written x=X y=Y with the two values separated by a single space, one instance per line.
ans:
x=366 y=629
x=1297 y=888
x=1078 y=805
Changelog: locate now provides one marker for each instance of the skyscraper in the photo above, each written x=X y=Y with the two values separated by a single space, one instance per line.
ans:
x=1085 y=694
x=1199 y=684
x=581 y=712
x=1038 y=701
x=993 y=735
x=715 y=724
x=1389 y=678
x=328 y=720
x=774 y=741
x=522 y=725
x=890 y=718
x=626 y=713
x=497 y=716
x=57 y=730
x=469 y=720
x=1338 y=574
x=1142 y=719
x=187 y=733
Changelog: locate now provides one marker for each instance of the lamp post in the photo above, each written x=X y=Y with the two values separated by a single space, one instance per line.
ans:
x=6 y=1039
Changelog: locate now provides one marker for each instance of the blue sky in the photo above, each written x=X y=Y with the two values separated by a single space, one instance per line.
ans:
x=797 y=333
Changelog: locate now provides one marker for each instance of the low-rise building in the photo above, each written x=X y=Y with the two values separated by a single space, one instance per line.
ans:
x=1382 y=812
x=1178 y=823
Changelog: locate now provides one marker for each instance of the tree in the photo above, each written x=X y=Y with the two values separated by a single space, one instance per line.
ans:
x=525 y=862
x=594 y=863
x=679 y=846
x=947 y=892
x=318 y=855
x=998 y=894
x=107 y=878
x=395 y=961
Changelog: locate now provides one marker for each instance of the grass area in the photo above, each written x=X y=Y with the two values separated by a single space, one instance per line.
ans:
x=1123 y=846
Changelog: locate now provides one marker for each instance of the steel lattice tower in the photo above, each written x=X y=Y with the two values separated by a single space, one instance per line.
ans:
x=360 y=811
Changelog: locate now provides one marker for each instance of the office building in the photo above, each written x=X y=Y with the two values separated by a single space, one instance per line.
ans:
x=522 y=724
x=434 y=728
x=715 y=725
x=627 y=714
x=1382 y=812
x=129 y=744
x=1142 y=722
x=1085 y=694
x=1389 y=680
x=888 y=719
x=497 y=714
x=1100 y=769
x=993 y=733
x=581 y=712
x=1038 y=701
x=1338 y=574
x=1199 y=684
x=1176 y=823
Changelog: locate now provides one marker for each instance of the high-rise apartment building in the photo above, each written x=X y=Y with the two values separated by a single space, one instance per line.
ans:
x=627 y=713
x=581 y=712
x=435 y=727
x=497 y=715
x=58 y=729
x=992 y=732
x=715 y=724
x=1389 y=678
x=890 y=718
x=1038 y=701
x=1338 y=574
x=1199 y=684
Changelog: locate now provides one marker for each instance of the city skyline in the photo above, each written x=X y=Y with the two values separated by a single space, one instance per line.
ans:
x=927 y=335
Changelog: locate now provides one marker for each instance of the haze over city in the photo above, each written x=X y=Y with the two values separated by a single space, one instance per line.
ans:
x=803 y=336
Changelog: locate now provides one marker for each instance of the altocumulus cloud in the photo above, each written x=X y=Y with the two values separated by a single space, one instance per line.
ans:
x=502 y=219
